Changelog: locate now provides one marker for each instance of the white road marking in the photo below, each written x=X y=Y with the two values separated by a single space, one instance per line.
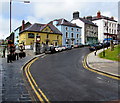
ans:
x=43 y=56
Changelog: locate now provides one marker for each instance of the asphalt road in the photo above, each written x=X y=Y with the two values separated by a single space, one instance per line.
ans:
x=62 y=77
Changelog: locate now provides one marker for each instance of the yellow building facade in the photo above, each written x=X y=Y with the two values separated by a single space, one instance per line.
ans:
x=48 y=35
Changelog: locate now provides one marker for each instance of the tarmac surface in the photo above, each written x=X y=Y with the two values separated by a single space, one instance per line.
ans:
x=12 y=87
x=62 y=77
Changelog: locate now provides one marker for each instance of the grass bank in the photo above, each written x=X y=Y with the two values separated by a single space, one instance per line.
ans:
x=112 y=55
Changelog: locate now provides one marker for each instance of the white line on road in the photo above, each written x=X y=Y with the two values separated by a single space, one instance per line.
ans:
x=99 y=78
x=43 y=56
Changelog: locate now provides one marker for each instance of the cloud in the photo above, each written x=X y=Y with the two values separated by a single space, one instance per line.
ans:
x=5 y=26
x=53 y=10
x=44 y=11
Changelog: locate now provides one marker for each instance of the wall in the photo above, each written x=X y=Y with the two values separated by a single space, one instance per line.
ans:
x=43 y=36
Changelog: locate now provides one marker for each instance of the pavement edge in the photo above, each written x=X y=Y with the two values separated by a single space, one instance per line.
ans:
x=86 y=66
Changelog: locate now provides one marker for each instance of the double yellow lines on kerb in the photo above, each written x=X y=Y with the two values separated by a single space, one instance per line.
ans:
x=96 y=71
x=40 y=95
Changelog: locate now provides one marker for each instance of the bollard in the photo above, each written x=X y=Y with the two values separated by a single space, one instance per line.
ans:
x=104 y=53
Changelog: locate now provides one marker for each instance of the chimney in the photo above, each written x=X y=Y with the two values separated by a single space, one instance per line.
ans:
x=112 y=18
x=23 y=24
x=76 y=15
x=98 y=14
x=89 y=18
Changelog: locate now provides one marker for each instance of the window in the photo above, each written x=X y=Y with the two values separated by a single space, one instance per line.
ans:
x=114 y=31
x=47 y=35
x=31 y=35
x=66 y=28
x=72 y=35
x=72 y=29
x=77 y=35
x=66 y=35
x=77 y=29
x=77 y=41
x=57 y=37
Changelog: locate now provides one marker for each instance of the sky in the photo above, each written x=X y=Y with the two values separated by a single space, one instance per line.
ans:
x=43 y=11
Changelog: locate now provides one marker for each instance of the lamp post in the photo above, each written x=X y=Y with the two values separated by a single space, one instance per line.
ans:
x=11 y=10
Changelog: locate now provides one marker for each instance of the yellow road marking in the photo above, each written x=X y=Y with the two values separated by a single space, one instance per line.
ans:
x=27 y=71
x=39 y=97
x=107 y=75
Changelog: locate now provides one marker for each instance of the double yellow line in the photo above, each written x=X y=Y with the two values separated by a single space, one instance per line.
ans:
x=96 y=71
x=40 y=95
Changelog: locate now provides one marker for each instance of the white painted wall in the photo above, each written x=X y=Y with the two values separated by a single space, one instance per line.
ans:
x=102 y=29
x=81 y=24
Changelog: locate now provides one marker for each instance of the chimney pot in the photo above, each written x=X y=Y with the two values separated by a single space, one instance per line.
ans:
x=76 y=15
x=98 y=14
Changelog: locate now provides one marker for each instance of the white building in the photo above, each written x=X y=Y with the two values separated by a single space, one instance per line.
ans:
x=107 y=27
x=89 y=33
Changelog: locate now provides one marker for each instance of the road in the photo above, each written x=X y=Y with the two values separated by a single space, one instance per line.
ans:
x=61 y=77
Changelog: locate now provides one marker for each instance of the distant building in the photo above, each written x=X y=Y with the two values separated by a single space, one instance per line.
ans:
x=48 y=34
x=71 y=32
x=118 y=32
x=18 y=30
x=89 y=29
x=107 y=27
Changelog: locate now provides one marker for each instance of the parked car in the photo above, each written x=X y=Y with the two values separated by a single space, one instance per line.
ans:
x=58 y=48
x=69 y=47
x=115 y=42
x=63 y=47
x=92 y=47
x=96 y=46
x=76 y=45
x=106 y=44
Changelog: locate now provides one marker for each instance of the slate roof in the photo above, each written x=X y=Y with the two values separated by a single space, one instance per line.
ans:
x=36 y=27
x=85 y=21
x=65 y=23
x=103 y=17
x=26 y=26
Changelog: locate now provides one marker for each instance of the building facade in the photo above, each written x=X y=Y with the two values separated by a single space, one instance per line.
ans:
x=48 y=34
x=118 y=36
x=71 y=32
x=89 y=29
x=107 y=27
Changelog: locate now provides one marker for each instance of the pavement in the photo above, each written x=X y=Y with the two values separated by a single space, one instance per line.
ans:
x=12 y=86
x=103 y=65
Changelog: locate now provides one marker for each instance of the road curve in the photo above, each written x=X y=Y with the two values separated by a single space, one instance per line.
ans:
x=61 y=77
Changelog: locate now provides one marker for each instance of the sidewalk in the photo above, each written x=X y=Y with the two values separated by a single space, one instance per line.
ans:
x=103 y=65
x=13 y=87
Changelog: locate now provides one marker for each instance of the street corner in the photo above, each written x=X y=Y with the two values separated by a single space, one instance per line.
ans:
x=95 y=66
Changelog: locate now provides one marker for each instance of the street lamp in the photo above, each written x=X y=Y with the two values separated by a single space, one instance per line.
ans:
x=11 y=8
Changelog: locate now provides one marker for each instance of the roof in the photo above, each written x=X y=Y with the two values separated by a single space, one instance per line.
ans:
x=103 y=17
x=26 y=25
x=85 y=21
x=65 y=23
x=36 y=27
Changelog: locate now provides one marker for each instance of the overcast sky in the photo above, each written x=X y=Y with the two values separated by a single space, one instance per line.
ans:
x=43 y=11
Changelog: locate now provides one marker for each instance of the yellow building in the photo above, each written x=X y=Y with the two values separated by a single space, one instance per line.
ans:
x=48 y=34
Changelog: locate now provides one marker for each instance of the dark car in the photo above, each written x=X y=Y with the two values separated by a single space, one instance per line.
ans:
x=92 y=47
x=96 y=46
x=106 y=44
